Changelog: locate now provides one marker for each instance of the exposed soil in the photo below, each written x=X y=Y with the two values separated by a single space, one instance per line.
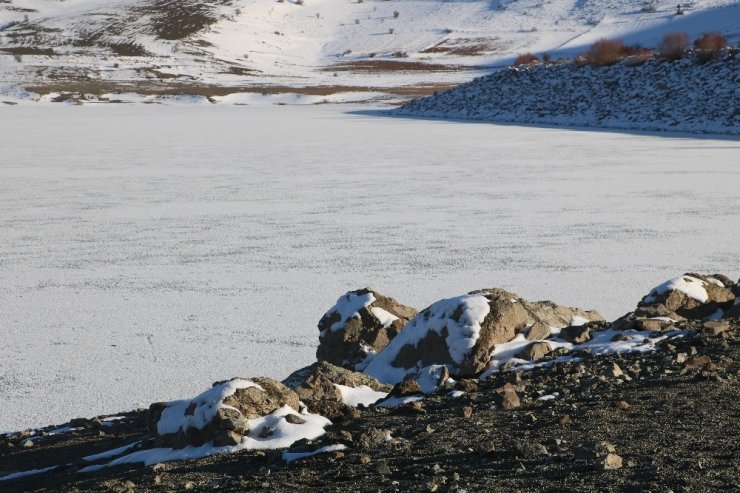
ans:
x=671 y=418
x=99 y=88
x=372 y=66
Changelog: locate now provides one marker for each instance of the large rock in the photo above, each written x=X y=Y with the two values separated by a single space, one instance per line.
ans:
x=691 y=296
x=332 y=390
x=221 y=414
x=462 y=332
x=360 y=324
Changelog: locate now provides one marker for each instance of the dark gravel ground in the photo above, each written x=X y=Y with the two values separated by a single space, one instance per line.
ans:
x=673 y=417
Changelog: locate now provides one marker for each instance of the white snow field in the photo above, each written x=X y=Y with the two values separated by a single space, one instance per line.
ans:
x=147 y=251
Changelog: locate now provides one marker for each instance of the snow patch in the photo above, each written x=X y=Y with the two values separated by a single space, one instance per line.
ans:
x=354 y=396
x=294 y=456
x=690 y=286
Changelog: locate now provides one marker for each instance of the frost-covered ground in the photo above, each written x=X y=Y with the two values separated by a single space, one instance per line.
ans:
x=149 y=251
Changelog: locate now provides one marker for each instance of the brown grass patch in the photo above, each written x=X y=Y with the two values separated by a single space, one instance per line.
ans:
x=369 y=66
x=674 y=46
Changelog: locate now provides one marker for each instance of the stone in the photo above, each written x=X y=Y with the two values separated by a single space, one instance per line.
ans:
x=465 y=411
x=360 y=324
x=461 y=333
x=535 y=351
x=294 y=419
x=27 y=443
x=316 y=386
x=610 y=462
x=650 y=324
x=593 y=450
x=222 y=438
x=406 y=388
x=538 y=331
x=716 y=327
x=382 y=468
x=244 y=400
x=614 y=371
x=530 y=450
x=576 y=334
x=691 y=296
x=373 y=438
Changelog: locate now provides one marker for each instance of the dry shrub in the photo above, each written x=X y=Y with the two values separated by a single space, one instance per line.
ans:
x=525 y=59
x=640 y=56
x=710 y=46
x=607 y=52
x=673 y=46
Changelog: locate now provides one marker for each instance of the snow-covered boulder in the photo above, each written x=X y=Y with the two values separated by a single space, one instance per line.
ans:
x=462 y=332
x=237 y=413
x=691 y=296
x=359 y=325
x=331 y=390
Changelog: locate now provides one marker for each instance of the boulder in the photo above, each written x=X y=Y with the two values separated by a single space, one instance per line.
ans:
x=359 y=325
x=535 y=351
x=691 y=296
x=538 y=332
x=461 y=333
x=221 y=414
x=331 y=390
x=576 y=334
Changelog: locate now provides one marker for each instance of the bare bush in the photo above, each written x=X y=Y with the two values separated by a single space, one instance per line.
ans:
x=709 y=46
x=525 y=59
x=674 y=46
x=607 y=52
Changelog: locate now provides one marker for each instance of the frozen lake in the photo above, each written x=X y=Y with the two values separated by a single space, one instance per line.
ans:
x=148 y=251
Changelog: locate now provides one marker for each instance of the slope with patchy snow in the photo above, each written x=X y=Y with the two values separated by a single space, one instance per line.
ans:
x=320 y=47
x=658 y=95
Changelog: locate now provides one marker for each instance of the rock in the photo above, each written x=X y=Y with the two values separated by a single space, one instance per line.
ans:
x=506 y=397
x=294 y=419
x=691 y=296
x=716 y=327
x=614 y=371
x=316 y=386
x=576 y=334
x=223 y=438
x=553 y=315
x=535 y=351
x=219 y=414
x=650 y=324
x=465 y=411
x=382 y=468
x=623 y=405
x=538 y=331
x=610 y=461
x=406 y=388
x=359 y=325
x=373 y=438
x=27 y=443
x=530 y=450
x=461 y=333
x=593 y=450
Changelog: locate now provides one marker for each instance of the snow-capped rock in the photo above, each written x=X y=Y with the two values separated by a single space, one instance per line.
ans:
x=360 y=324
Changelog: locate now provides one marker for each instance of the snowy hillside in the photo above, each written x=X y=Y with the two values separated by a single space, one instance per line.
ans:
x=657 y=95
x=315 y=47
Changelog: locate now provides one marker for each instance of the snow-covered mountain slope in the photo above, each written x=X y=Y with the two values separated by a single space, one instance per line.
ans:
x=319 y=47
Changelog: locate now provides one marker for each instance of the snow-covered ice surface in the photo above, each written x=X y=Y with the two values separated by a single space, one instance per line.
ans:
x=149 y=251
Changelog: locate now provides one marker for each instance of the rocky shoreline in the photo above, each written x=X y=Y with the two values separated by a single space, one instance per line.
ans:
x=479 y=392
x=652 y=95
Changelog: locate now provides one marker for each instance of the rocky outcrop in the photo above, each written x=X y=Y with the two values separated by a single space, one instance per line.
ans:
x=323 y=387
x=691 y=296
x=359 y=325
x=220 y=415
x=462 y=332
